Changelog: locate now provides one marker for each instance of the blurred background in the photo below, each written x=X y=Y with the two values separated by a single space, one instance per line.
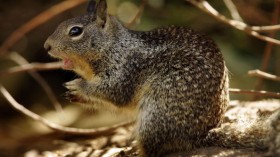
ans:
x=241 y=51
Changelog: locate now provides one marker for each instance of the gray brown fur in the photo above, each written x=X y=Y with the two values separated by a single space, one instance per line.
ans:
x=175 y=78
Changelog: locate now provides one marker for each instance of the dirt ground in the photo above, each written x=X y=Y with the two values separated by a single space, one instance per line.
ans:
x=120 y=142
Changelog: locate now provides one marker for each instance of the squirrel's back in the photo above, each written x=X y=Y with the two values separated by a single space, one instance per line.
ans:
x=185 y=90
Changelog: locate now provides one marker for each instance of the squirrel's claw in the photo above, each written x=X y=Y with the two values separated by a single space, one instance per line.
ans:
x=72 y=97
x=72 y=85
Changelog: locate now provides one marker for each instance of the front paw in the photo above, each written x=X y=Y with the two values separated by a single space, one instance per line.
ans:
x=75 y=93
x=74 y=84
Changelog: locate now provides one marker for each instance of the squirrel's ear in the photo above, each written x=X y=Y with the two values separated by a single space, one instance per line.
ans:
x=102 y=12
x=91 y=9
x=91 y=6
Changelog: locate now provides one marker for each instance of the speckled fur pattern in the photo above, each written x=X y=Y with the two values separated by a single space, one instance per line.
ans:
x=273 y=138
x=175 y=78
x=187 y=86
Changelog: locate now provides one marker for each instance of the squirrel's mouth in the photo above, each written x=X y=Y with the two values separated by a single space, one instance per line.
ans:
x=74 y=62
x=68 y=63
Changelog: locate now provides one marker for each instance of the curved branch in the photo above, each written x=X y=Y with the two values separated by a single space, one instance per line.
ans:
x=207 y=8
x=54 y=126
x=22 y=61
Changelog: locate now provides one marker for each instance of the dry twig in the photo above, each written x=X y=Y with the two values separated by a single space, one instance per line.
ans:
x=253 y=92
x=206 y=7
x=31 y=67
x=138 y=14
x=102 y=130
x=233 y=10
x=264 y=75
x=54 y=126
x=22 y=61
x=266 y=28
x=37 y=21
x=269 y=46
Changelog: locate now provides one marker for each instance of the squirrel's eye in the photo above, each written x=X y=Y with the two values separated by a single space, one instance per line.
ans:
x=75 y=31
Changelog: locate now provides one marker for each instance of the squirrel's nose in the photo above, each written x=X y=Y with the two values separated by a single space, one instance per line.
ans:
x=47 y=46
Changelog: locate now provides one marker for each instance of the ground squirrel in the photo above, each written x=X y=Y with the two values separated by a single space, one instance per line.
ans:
x=175 y=78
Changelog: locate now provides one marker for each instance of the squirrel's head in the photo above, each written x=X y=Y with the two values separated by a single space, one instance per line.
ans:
x=80 y=41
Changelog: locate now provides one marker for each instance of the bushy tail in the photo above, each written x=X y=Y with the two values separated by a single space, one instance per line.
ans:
x=245 y=132
x=232 y=136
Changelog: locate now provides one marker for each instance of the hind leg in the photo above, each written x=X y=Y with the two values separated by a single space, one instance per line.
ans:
x=160 y=134
x=152 y=148
x=161 y=144
x=148 y=136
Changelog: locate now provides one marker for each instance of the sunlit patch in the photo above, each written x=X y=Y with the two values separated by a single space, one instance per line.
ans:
x=127 y=11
